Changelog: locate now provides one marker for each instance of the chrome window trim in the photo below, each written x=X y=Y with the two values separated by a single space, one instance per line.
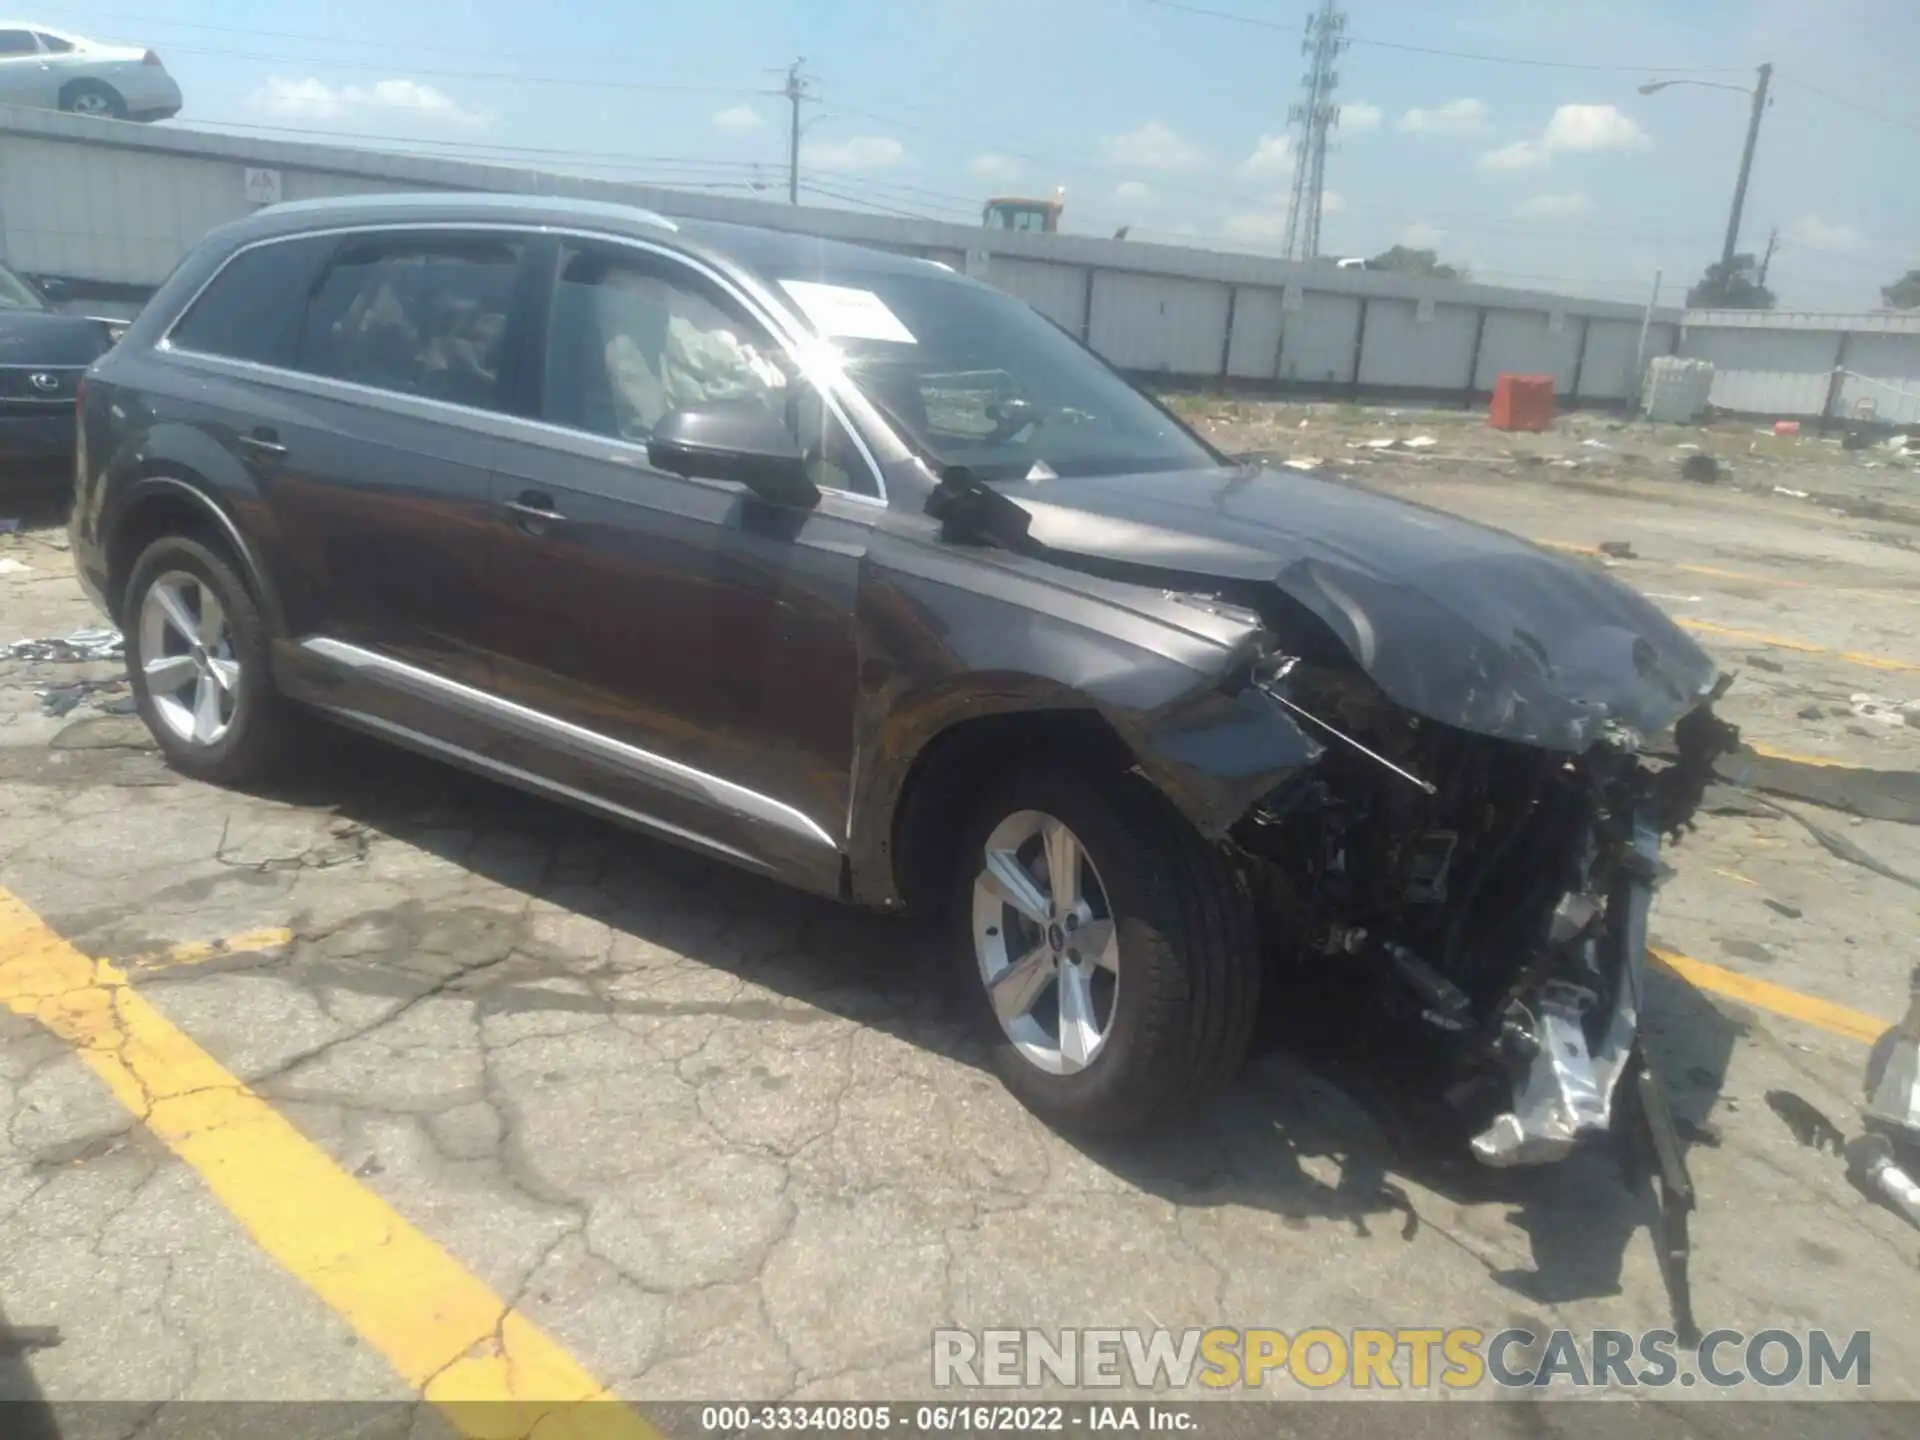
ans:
x=754 y=299
x=488 y=764
x=50 y=369
x=720 y=793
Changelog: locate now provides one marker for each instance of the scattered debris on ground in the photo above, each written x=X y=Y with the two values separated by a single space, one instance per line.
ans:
x=77 y=648
x=1885 y=712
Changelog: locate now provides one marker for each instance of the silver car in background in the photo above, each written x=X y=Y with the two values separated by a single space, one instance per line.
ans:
x=55 y=70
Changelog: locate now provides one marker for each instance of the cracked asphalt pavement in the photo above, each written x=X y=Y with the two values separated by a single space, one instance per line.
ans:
x=715 y=1139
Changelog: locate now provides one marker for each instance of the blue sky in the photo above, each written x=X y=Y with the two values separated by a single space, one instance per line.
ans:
x=1552 y=177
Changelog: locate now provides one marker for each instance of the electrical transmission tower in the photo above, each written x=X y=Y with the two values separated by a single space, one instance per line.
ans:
x=1315 y=115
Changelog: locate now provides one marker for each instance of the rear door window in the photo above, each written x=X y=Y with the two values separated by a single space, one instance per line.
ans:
x=252 y=307
x=54 y=44
x=415 y=316
x=17 y=42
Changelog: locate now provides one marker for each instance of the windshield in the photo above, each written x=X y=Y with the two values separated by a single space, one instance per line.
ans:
x=16 y=294
x=974 y=377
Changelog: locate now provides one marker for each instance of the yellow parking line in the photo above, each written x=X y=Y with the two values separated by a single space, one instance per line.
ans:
x=1782 y=642
x=449 y=1336
x=1764 y=995
x=197 y=952
x=1826 y=762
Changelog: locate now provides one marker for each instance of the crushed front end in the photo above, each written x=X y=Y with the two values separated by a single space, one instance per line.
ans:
x=1490 y=895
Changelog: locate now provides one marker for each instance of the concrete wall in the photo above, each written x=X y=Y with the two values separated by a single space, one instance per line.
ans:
x=113 y=203
x=1788 y=363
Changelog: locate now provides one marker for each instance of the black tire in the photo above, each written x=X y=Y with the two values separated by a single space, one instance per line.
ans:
x=1185 y=1006
x=73 y=97
x=259 y=733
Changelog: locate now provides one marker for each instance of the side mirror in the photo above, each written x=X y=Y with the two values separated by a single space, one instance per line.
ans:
x=57 y=292
x=733 y=440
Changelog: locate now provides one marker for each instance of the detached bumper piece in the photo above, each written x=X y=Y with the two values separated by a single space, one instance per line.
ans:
x=1566 y=1091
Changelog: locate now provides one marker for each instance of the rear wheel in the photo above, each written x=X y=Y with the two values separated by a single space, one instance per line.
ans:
x=92 y=97
x=197 y=659
x=1108 y=950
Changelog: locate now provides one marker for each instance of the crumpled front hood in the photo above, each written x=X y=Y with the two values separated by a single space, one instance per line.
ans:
x=1455 y=621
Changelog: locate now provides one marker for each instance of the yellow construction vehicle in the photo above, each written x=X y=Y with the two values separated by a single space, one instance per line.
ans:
x=1008 y=212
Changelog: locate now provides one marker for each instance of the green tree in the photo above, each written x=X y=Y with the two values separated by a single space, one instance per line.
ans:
x=1402 y=260
x=1904 y=293
x=1731 y=287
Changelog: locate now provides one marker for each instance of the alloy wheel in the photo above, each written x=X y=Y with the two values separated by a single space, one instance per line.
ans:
x=1044 y=936
x=92 y=102
x=186 y=655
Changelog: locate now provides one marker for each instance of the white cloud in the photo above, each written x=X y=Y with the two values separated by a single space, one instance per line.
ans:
x=1553 y=207
x=1332 y=202
x=1273 y=155
x=740 y=117
x=1256 y=225
x=1574 y=129
x=310 y=99
x=1456 y=117
x=1422 y=236
x=1361 y=116
x=862 y=152
x=994 y=167
x=1154 y=146
x=1580 y=128
x=1133 y=192
x=1520 y=155
x=1810 y=232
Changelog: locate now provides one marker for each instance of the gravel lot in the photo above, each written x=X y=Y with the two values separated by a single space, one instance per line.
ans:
x=718 y=1140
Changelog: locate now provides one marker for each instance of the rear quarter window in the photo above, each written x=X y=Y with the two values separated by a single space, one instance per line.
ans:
x=252 y=309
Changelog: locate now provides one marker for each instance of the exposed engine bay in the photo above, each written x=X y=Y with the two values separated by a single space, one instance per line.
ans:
x=1497 y=892
x=1465 y=806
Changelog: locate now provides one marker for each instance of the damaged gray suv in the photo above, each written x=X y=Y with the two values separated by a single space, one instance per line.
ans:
x=842 y=567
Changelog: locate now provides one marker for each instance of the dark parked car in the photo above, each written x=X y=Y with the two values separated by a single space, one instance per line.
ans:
x=43 y=354
x=850 y=570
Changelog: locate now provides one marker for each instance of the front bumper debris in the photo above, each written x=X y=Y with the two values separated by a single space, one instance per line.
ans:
x=1567 y=1091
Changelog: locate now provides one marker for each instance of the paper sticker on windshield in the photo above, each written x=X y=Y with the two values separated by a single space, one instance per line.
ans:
x=840 y=312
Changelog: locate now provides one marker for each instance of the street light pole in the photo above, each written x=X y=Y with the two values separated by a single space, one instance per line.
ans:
x=1759 y=94
x=1746 y=168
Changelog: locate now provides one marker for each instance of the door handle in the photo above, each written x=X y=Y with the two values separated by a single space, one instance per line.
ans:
x=534 y=511
x=263 y=442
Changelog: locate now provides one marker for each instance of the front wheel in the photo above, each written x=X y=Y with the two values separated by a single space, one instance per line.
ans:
x=1109 y=951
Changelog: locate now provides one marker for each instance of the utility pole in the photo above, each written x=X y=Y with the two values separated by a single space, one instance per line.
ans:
x=1746 y=168
x=1315 y=115
x=795 y=91
x=1640 y=350
x=1773 y=239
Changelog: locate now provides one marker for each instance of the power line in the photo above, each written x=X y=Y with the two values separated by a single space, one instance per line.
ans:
x=1854 y=105
x=483 y=145
x=1432 y=50
x=818 y=189
x=169 y=22
x=514 y=76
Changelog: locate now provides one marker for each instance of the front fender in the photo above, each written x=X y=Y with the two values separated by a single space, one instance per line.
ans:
x=1218 y=754
x=950 y=639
